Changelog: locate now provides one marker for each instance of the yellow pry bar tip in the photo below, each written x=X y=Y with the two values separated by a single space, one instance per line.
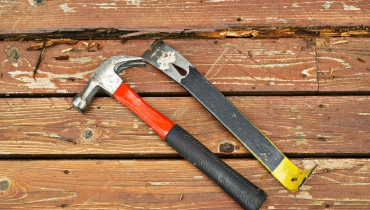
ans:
x=290 y=176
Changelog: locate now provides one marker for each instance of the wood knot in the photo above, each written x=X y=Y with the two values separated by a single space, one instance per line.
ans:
x=4 y=184
x=227 y=147
x=13 y=54
x=87 y=134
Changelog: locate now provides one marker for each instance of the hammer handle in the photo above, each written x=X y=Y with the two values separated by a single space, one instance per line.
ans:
x=244 y=192
x=156 y=120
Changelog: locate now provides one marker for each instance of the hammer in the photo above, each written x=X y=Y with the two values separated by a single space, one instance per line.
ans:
x=106 y=78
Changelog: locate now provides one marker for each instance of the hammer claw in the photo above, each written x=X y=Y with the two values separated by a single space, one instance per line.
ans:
x=125 y=65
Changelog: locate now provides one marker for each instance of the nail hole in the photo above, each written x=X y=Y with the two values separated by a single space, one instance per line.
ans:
x=38 y=2
x=321 y=138
x=238 y=19
x=66 y=172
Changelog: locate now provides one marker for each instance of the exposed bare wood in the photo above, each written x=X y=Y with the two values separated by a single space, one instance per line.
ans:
x=297 y=125
x=172 y=184
x=343 y=65
x=283 y=66
x=29 y=16
x=51 y=42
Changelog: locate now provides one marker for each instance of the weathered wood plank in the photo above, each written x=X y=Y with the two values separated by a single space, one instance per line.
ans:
x=241 y=66
x=172 y=184
x=310 y=125
x=31 y=16
x=343 y=65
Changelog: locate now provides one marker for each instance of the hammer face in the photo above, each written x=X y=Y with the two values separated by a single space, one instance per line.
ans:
x=105 y=78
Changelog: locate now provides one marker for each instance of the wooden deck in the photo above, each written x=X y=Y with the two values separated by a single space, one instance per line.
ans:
x=299 y=70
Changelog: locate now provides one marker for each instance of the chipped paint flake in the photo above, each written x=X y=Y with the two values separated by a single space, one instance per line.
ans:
x=81 y=60
x=165 y=59
x=328 y=4
x=44 y=80
x=306 y=71
x=295 y=5
x=276 y=20
x=4 y=153
x=283 y=191
x=32 y=2
x=343 y=62
x=136 y=125
x=198 y=177
x=107 y=6
x=271 y=207
x=65 y=8
x=349 y=7
x=159 y=183
x=133 y=2
x=340 y=42
x=304 y=195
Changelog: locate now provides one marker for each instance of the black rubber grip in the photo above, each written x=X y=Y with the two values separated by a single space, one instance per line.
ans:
x=244 y=192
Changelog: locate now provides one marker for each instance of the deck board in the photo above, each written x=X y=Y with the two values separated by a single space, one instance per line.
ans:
x=26 y=16
x=172 y=184
x=300 y=125
x=239 y=66
x=343 y=65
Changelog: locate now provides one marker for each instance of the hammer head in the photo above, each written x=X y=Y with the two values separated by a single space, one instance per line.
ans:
x=105 y=78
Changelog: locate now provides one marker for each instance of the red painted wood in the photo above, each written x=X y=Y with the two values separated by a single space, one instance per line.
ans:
x=160 y=123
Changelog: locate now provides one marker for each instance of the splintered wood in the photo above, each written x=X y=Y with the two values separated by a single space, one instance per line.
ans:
x=51 y=42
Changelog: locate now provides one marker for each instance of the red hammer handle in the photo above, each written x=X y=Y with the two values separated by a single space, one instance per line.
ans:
x=235 y=185
x=128 y=97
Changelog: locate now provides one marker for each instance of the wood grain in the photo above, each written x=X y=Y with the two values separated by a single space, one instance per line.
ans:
x=27 y=16
x=301 y=125
x=172 y=184
x=343 y=65
x=235 y=66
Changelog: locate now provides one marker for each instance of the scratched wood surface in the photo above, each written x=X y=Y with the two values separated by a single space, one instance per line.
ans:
x=172 y=184
x=40 y=16
x=234 y=66
x=300 y=125
x=343 y=65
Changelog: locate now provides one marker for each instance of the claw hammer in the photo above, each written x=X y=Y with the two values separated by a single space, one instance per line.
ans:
x=106 y=78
